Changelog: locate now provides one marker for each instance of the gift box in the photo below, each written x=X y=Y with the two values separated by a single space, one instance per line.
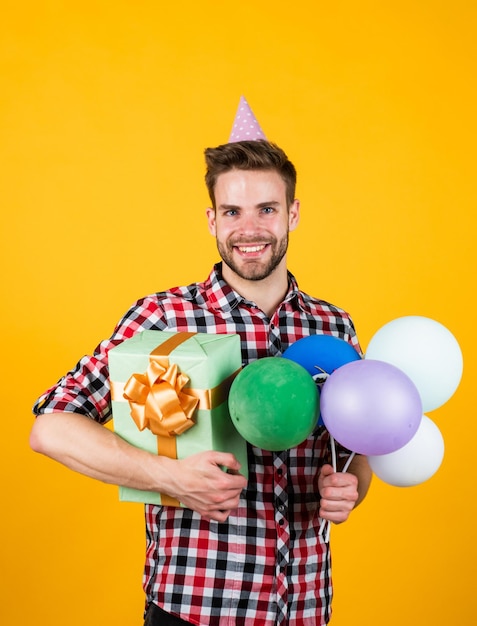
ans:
x=169 y=394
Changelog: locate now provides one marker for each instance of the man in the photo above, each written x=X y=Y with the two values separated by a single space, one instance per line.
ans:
x=239 y=552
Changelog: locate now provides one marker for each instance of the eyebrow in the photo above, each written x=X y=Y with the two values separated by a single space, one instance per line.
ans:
x=260 y=205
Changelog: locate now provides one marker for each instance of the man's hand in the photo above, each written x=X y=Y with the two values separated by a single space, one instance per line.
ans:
x=201 y=484
x=339 y=494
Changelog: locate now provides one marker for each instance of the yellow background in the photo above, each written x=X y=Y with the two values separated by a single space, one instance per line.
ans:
x=105 y=109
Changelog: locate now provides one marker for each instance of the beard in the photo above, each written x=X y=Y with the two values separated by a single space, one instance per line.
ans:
x=253 y=269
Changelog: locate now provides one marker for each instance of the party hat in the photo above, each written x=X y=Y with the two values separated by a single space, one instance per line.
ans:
x=246 y=127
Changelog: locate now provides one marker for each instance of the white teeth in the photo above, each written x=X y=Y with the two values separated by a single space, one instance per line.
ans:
x=251 y=248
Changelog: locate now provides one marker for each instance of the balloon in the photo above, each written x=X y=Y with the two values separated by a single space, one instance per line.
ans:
x=318 y=353
x=274 y=403
x=414 y=463
x=370 y=407
x=426 y=351
x=321 y=353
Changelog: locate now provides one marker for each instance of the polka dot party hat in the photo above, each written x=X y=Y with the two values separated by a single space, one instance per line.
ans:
x=246 y=127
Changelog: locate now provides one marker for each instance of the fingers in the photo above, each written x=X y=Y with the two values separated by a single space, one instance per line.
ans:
x=227 y=460
x=216 y=508
x=213 y=512
x=326 y=470
x=205 y=487
x=336 y=511
x=339 y=493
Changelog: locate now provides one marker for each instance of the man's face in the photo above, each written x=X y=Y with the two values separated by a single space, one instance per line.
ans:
x=252 y=221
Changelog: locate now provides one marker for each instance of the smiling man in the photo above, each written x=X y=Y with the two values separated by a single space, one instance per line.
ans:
x=238 y=552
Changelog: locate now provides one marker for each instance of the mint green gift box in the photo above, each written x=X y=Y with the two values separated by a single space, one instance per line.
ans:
x=210 y=361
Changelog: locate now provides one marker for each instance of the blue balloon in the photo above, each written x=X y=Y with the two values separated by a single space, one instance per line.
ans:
x=321 y=353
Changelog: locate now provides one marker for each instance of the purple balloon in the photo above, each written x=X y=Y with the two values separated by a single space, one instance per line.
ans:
x=371 y=407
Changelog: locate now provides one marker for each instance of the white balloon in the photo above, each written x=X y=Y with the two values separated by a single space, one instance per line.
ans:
x=426 y=351
x=416 y=462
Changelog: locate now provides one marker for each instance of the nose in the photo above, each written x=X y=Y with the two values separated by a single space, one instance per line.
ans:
x=249 y=224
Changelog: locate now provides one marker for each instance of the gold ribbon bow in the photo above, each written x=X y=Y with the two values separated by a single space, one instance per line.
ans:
x=157 y=399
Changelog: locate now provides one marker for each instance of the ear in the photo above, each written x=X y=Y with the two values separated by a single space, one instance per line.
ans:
x=294 y=215
x=211 y=221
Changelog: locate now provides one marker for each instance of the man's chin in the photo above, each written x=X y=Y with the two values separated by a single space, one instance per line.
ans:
x=252 y=270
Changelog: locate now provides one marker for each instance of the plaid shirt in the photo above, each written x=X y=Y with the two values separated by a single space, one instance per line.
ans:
x=267 y=564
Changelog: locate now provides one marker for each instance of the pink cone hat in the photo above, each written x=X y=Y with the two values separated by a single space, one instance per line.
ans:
x=246 y=127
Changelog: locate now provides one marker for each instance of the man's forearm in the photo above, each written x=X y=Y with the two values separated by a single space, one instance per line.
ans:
x=87 y=447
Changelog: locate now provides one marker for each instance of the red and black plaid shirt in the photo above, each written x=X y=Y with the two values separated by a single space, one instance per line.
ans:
x=267 y=564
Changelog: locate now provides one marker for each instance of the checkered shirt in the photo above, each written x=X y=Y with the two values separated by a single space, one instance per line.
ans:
x=267 y=564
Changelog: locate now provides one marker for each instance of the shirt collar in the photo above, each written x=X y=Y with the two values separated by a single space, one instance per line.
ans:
x=221 y=296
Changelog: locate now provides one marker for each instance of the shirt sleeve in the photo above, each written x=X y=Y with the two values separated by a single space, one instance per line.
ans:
x=85 y=389
x=353 y=338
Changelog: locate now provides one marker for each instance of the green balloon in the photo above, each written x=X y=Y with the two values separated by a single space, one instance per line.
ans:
x=274 y=403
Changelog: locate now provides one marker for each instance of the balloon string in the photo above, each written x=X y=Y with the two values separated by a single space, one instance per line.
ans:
x=348 y=462
x=333 y=453
x=324 y=522
x=333 y=463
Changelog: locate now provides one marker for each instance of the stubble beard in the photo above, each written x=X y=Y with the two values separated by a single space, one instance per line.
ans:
x=254 y=269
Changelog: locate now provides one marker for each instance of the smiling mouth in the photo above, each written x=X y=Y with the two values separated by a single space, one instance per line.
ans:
x=251 y=249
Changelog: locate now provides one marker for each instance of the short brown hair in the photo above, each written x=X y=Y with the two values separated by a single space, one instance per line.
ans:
x=249 y=155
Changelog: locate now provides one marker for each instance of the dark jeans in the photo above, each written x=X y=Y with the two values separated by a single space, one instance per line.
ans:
x=157 y=617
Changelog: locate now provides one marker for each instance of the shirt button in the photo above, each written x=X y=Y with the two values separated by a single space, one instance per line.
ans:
x=281 y=507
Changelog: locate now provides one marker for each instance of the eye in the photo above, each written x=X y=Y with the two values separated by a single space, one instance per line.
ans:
x=268 y=209
x=231 y=212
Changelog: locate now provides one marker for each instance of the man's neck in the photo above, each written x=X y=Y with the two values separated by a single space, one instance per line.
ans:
x=267 y=294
